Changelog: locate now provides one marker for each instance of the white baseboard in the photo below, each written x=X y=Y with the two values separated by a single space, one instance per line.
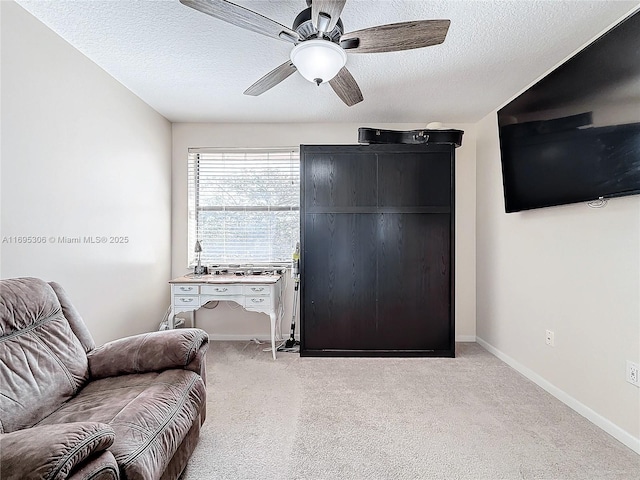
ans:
x=247 y=338
x=611 y=428
x=465 y=338
x=238 y=338
x=266 y=338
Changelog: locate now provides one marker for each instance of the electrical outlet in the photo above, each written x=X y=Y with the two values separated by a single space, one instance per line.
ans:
x=550 y=338
x=633 y=373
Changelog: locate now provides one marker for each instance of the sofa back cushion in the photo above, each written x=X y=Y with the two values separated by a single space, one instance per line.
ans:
x=42 y=362
x=73 y=317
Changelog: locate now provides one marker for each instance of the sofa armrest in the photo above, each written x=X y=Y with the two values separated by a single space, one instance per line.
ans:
x=149 y=352
x=102 y=466
x=51 y=451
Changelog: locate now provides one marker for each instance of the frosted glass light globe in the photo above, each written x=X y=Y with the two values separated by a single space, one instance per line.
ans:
x=318 y=60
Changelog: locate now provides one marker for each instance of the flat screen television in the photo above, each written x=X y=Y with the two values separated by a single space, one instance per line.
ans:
x=574 y=136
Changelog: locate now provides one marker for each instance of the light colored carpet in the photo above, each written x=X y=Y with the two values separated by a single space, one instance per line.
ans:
x=470 y=417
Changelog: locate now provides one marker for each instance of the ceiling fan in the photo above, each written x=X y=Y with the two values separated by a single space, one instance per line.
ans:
x=321 y=46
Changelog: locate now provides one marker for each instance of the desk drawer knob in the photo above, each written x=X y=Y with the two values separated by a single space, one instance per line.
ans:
x=186 y=289
x=257 y=300
x=257 y=289
x=221 y=289
x=187 y=300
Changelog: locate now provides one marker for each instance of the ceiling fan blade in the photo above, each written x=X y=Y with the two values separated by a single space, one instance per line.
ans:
x=346 y=87
x=271 y=79
x=243 y=17
x=330 y=10
x=396 y=36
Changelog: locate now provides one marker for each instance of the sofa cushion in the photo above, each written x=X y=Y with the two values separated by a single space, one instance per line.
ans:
x=42 y=362
x=50 y=452
x=150 y=413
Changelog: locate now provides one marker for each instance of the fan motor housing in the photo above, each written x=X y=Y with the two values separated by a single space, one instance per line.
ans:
x=304 y=26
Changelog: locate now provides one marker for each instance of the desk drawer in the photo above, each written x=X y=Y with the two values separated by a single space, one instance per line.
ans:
x=186 y=301
x=257 y=301
x=221 y=290
x=253 y=290
x=185 y=289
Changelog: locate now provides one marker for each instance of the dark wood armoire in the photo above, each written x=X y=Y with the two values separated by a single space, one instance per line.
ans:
x=377 y=244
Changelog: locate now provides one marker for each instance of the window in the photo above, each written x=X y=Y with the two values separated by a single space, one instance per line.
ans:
x=244 y=205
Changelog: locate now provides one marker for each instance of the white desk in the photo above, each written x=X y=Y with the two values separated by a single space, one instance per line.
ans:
x=255 y=293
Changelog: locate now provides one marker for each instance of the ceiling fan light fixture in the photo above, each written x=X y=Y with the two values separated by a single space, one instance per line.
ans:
x=318 y=60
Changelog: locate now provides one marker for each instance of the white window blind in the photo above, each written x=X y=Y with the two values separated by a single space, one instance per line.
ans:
x=244 y=205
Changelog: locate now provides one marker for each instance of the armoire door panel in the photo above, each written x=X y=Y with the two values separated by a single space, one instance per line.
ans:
x=339 y=284
x=340 y=180
x=414 y=281
x=377 y=226
x=415 y=179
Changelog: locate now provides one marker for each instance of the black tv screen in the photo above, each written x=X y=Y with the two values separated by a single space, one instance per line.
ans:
x=575 y=135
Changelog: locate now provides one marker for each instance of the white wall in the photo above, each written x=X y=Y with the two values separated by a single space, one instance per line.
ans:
x=82 y=156
x=570 y=269
x=224 y=322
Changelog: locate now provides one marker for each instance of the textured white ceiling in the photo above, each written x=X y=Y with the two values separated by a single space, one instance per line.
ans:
x=193 y=68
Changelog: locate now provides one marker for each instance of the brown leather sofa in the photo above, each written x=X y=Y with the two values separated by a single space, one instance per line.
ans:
x=131 y=408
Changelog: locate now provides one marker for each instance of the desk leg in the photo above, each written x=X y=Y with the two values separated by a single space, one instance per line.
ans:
x=272 y=315
x=170 y=319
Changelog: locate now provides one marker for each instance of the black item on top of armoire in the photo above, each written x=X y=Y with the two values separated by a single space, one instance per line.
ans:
x=377 y=244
